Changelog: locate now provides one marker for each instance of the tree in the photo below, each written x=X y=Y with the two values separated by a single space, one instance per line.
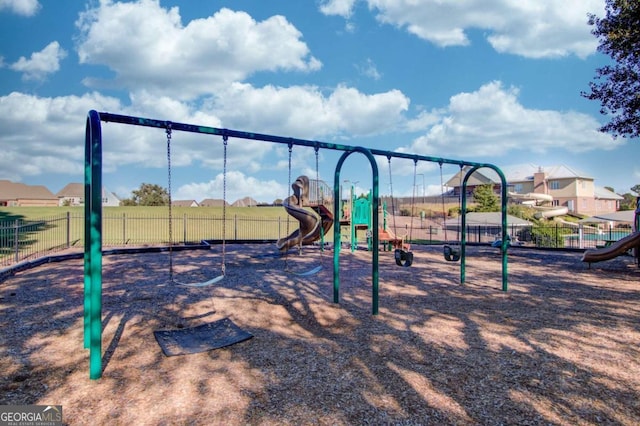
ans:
x=636 y=188
x=617 y=86
x=486 y=200
x=629 y=202
x=148 y=195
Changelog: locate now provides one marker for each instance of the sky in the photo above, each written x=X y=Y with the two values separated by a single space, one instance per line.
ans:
x=488 y=81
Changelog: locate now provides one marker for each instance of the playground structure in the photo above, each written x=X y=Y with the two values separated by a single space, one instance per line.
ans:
x=93 y=211
x=312 y=228
x=620 y=247
x=358 y=214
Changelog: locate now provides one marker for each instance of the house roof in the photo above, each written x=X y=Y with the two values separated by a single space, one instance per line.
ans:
x=71 y=190
x=525 y=172
x=15 y=190
x=487 y=218
x=184 y=203
x=245 y=202
x=619 y=216
x=604 y=194
x=479 y=177
x=213 y=202
x=77 y=190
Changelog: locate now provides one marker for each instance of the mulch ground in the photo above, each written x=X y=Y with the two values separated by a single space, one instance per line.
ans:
x=560 y=347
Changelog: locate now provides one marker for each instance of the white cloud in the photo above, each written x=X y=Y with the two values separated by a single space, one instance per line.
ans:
x=21 y=7
x=369 y=69
x=342 y=8
x=45 y=135
x=305 y=112
x=41 y=63
x=530 y=28
x=492 y=122
x=238 y=185
x=148 y=47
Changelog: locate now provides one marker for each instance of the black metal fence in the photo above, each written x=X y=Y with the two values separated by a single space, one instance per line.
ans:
x=22 y=240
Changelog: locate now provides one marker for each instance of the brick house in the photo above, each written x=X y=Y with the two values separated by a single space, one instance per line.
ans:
x=15 y=194
x=568 y=187
x=185 y=203
x=73 y=195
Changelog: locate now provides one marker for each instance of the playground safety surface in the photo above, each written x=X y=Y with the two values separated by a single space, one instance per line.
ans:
x=561 y=346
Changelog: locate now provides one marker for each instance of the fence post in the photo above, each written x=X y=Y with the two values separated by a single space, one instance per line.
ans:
x=16 y=235
x=184 y=228
x=235 y=226
x=68 y=229
x=580 y=236
x=124 y=229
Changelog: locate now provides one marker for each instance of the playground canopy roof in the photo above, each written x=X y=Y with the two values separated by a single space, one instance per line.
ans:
x=487 y=219
x=620 y=216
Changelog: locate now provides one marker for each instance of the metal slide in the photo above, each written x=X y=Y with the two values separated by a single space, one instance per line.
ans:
x=312 y=226
x=616 y=249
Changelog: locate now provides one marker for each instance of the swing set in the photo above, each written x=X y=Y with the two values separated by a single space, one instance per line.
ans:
x=93 y=212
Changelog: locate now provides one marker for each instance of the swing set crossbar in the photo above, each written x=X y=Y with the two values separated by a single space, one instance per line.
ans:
x=239 y=134
x=93 y=210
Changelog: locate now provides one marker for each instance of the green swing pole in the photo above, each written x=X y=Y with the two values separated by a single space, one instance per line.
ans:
x=463 y=224
x=93 y=245
x=93 y=209
x=336 y=228
x=352 y=205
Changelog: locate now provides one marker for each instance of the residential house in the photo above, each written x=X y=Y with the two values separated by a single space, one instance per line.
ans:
x=73 y=195
x=15 y=194
x=245 y=202
x=567 y=187
x=478 y=178
x=213 y=202
x=185 y=203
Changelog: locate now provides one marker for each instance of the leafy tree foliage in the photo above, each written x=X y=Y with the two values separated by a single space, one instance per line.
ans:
x=486 y=200
x=617 y=86
x=148 y=195
x=629 y=202
x=636 y=189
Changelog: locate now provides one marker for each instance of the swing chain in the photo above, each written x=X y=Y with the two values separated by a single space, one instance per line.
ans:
x=225 y=140
x=286 y=258
x=168 y=133
x=393 y=207
x=319 y=195
x=444 y=216
x=413 y=197
x=319 y=199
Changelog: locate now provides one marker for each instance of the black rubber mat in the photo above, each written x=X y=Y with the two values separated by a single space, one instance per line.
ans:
x=202 y=338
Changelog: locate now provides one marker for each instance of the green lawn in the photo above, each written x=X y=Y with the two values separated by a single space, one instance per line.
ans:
x=52 y=228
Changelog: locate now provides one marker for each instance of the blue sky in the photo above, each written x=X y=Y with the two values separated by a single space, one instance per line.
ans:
x=479 y=80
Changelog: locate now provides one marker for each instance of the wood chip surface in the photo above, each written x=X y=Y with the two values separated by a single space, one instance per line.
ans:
x=560 y=347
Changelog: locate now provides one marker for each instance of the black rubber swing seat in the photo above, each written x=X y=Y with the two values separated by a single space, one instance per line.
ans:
x=403 y=257
x=451 y=254
x=202 y=338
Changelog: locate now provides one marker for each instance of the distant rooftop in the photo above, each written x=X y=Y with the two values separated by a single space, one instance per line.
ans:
x=525 y=172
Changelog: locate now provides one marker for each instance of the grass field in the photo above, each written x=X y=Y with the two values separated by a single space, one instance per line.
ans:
x=36 y=213
x=27 y=232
